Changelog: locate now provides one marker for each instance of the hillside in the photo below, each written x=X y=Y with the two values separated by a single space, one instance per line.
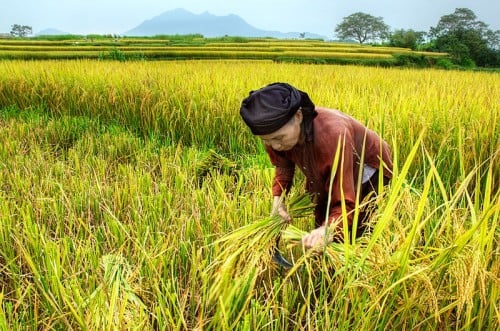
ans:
x=180 y=21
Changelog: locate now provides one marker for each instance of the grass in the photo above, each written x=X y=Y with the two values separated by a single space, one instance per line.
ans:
x=124 y=205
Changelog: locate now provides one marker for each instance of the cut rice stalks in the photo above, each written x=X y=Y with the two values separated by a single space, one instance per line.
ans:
x=242 y=256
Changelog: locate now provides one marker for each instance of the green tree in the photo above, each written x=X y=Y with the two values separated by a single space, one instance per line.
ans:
x=362 y=27
x=468 y=40
x=21 y=31
x=407 y=38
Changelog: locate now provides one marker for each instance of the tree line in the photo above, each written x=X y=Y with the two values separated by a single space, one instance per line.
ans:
x=468 y=41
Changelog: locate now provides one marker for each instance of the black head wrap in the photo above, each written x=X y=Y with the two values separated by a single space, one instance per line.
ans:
x=270 y=108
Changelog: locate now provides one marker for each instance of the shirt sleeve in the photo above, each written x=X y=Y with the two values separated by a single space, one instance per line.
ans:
x=284 y=170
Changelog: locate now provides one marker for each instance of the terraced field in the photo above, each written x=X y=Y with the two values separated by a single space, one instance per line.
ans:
x=261 y=49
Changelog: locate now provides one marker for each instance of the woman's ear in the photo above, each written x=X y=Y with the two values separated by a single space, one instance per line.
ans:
x=299 y=116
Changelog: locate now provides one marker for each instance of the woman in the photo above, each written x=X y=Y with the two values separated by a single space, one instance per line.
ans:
x=321 y=142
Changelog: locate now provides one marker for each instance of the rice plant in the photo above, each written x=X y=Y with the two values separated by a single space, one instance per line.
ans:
x=131 y=197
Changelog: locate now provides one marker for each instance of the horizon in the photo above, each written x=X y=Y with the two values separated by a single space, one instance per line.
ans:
x=112 y=17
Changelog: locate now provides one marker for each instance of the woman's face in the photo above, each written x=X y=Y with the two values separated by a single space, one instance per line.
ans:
x=287 y=136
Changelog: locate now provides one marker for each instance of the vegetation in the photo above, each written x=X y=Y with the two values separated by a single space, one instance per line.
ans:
x=21 y=31
x=197 y=47
x=362 y=27
x=469 y=41
x=407 y=38
x=133 y=197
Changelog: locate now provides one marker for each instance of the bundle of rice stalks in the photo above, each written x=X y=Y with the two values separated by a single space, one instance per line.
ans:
x=363 y=256
x=242 y=256
x=333 y=255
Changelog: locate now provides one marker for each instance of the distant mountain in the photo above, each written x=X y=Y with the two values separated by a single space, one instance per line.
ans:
x=181 y=21
x=50 y=32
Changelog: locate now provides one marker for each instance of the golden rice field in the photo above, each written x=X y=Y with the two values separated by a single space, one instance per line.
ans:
x=206 y=48
x=132 y=197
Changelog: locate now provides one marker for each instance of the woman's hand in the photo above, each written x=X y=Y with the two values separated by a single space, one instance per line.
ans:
x=284 y=215
x=316 y=238
x=280 y=209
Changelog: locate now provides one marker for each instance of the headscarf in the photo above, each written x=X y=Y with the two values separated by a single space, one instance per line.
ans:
x=271 y=107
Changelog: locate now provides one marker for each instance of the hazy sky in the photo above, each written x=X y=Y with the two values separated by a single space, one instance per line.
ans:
x=317 y=16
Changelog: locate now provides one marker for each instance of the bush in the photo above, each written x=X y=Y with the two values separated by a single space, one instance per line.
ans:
x=117 y=55
x=445 y=64
x=411 y=60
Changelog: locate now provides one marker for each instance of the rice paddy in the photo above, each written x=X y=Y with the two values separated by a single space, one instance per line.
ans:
x=126 y=49
x=132 y=196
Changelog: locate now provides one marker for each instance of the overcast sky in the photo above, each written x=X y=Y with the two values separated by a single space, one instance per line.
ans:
x=317 y=16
